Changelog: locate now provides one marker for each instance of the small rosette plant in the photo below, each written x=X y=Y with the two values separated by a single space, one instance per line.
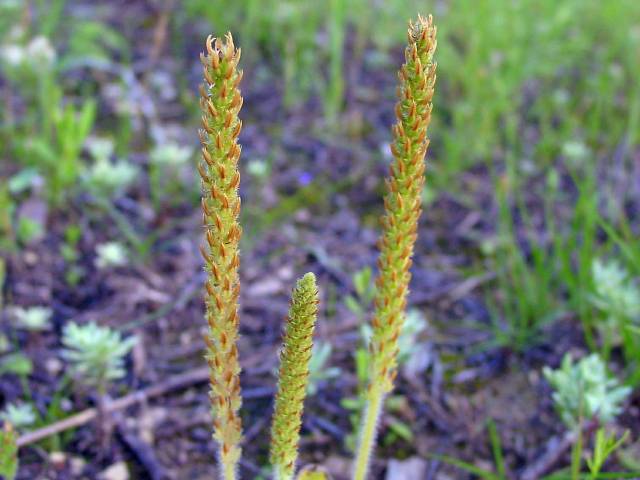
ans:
x=585 y=390
x=95 y=354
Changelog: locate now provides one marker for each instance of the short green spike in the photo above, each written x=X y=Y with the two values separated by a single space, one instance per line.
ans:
x=293 y=377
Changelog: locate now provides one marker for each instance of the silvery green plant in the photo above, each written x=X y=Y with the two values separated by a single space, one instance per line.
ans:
x=19 y=415
x=33 y=319
x=171 y=154
x=615 y=292
x=106 y=178
x=95 y=354
x=111 y=254
x=30 y=58
x=585 y=390
x=617 y=296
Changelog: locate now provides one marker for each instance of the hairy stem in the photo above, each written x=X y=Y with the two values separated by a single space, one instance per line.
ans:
x=368 y=433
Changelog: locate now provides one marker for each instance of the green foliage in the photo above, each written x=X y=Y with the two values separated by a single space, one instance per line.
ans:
x=605 y=445
x=498 y=457
x=319 y=371
x=365 y=292
x=17 y=364
x=28 y=231
x=63 y=130
x=69 y=251
x=8 y=453
x=585 y=390
x=95 y=354
x=7 y=208
x=50 y=134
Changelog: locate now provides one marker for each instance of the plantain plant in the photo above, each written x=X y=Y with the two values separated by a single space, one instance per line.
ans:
x=293 y=377
x=220 y=103
x=402 y=205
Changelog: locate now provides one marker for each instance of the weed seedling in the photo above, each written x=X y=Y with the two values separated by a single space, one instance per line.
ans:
x=585 y=390
x=95 y=354
x=19 y=415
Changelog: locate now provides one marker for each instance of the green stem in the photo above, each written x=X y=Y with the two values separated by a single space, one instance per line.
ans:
x=368 y=432
x=282 y=473
x=228 y=469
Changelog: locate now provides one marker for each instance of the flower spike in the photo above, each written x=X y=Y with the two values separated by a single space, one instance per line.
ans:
x=220 y=103
x=402 y=206
x=293 y=377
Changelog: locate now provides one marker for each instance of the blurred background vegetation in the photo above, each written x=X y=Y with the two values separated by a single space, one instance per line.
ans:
x=535 y=138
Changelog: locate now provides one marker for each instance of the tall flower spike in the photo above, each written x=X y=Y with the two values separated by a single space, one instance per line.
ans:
x=293 y=377
x=220 y=103
x=402 y=205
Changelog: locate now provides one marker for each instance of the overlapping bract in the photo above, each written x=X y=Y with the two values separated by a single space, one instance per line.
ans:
x=293 y=377
x=403 y=198
x=220 y=103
